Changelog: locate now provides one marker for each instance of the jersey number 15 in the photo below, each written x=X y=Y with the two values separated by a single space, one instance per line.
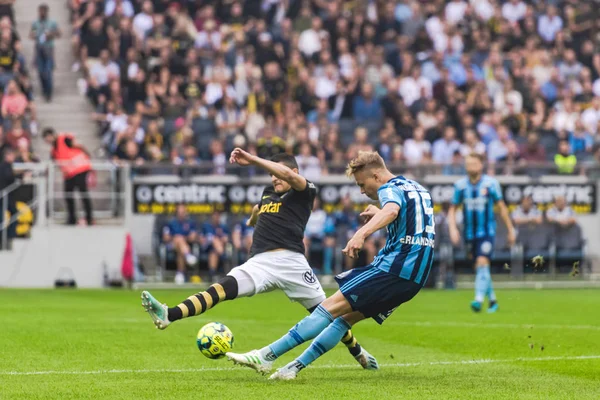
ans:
x=425 y=199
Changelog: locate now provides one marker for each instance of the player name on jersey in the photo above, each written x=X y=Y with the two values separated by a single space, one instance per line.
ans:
x=420 y=241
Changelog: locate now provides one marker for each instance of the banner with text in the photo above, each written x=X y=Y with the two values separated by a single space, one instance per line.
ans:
x=200 y=198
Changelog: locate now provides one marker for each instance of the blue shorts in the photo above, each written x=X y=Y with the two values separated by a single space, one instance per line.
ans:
x=480 y=247
x=375 y=293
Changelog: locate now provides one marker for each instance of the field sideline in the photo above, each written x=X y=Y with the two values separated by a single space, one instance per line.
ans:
x=100 y=344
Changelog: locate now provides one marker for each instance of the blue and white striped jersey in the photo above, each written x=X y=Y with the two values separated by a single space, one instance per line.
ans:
x=408 y=251
x=478 y=206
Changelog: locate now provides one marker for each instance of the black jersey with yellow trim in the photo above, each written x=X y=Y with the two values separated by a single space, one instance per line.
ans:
x=282 y=218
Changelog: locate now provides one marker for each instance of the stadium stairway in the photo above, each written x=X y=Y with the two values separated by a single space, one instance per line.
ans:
x=69 y=111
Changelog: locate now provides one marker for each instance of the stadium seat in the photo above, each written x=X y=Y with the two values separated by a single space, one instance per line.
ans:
x=570 y=247
x=537 y=241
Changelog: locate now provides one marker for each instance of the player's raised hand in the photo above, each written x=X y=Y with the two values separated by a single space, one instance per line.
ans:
x=369 y=212
x=240 y=157
x=353 y=247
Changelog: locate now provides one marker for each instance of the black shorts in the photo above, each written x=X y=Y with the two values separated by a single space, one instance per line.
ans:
x=374 y=292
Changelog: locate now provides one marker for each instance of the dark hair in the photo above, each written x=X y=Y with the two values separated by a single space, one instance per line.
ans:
x=286 y=159
x=48 y=132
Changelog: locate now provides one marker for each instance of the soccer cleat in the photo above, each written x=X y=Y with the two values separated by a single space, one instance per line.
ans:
x=158 y=312
x=179 y=278
x=288 y=372
x=283 y=374
x=493 y=307
x=253 y=360
x=366 y=360
x=475 y=306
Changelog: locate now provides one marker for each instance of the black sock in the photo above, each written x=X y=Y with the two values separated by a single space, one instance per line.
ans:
x=350 y=341
x=225 y=289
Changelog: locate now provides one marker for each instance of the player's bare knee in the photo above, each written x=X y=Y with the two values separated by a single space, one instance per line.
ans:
x=337 y=305
x=482 y=261
x=353 y=317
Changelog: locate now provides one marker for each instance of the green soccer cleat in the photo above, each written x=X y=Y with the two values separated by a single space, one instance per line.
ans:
x=366 y=360
x=253 y=360
x=493 y=307
x=157 y=311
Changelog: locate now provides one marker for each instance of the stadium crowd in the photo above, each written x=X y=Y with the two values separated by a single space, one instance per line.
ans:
x=422 y=82
x=17 y=107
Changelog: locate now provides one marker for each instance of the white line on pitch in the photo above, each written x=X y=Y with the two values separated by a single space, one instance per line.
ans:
x=425 y=324
x=492 y=325
x=326 y=366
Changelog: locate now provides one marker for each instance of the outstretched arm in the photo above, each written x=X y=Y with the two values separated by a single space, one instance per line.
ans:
x=452 y=227
x=382 y=218
x=243 y=158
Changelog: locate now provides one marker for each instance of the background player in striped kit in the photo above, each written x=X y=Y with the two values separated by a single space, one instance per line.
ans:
x=478 y=193
x=394 y=277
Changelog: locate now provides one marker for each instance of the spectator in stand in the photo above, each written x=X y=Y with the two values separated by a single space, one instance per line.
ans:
x=268 y=145
x=94 y=39
x=526 y=215
x=9 y=62
x=565 y=161
x=498 y=148
x=417 y=150
x=44 y=31
x=230 y=119
x=17 y=136
x=532 y=151
x=580 y=140
x=308 y=164
x=561 y=215
x=361 y=143
x=7 y=178
x=591 y=116
x=128 y=151
x=472 y=144
x=14 y=102
x=218 y=157
x=443 y=149
x=101 y=74
x=457 y=166
x=549 y=24
x=179 y=234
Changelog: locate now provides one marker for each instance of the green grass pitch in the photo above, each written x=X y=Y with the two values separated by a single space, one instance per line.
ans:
x=101 y=344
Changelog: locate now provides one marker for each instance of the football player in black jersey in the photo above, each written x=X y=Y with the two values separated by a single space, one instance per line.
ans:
x=277 y=258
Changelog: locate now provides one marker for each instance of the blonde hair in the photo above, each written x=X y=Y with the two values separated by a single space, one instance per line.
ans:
x=364 y=160
x=478 y=156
